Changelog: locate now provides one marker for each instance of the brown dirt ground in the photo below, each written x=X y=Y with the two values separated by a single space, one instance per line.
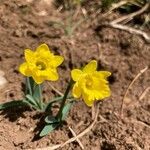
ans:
x=28 y=24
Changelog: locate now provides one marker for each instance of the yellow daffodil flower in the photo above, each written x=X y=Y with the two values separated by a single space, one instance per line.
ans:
x=90 y=84
x=41 y=64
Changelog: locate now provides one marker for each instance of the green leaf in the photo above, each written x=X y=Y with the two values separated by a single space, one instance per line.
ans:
x=12 y=104
x=37 y=92
x=31 y=100
x=30 y=104
x=66 y=109
x=51 y=120
x=48 y=128
x=37 y=95
x=54 y=100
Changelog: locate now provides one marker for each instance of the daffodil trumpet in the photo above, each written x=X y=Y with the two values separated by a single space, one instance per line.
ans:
x=90 y=85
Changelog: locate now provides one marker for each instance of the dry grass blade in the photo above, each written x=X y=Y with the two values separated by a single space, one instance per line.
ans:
x=56 y=90
x=129 y=87
x=74 y=134
x=116 y=23
x=140 y=122
x=131 y=30
x=134 y=121
x=48 y=148
x=130 y=16
x=115 y=6
x=144 y=93
x=93 y=111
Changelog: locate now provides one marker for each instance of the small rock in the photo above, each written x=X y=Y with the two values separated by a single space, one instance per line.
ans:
x=47 y=2
x=2 y=73
x=127 y=100
x=3 y=80
x=29 y=1
x=18 y=33
x=42 y=13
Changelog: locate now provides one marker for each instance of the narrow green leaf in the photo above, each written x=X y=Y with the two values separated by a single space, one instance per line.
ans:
x=12 y=104
x=48 y=128
x=66 y=109
x=51 y=120
x=28 y=102
x=31 y=99
x=37 y=95
x=56 y=99
x=37 y=92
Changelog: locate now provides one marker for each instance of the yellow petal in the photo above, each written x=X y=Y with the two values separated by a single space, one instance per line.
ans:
x=38 y=79
x=56 y=61
x=90 y=67
x=76 y=91
x=23 y=68
x=76 y=74
x=101 y=95
x=52 y=75
x=42 y=48
x=87 y=99
x=104 y=74
x=29 y=56
x=101 y=90
x=89 y=103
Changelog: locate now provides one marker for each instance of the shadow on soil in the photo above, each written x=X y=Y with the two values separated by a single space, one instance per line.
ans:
x=13 y=114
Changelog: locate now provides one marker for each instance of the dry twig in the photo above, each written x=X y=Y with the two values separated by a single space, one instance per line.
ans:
x=129 y=87
x=116 y=23
x=138 y=122
x=93 y=111
x=48 y=148
x=55 y=89
x=144 y=93
x=115 y=6
x=131 y=30
x=130 y=16
x=103 y=119
x=74 y=134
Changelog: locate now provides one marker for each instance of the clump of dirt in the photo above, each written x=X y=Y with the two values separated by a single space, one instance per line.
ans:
x=28 y=24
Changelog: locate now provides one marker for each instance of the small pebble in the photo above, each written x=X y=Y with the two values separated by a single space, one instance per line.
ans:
x=3 y=80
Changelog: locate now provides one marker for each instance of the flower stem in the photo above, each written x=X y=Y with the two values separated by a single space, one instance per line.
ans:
x=59 y=114
x=28 y=86
x=40 y=97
